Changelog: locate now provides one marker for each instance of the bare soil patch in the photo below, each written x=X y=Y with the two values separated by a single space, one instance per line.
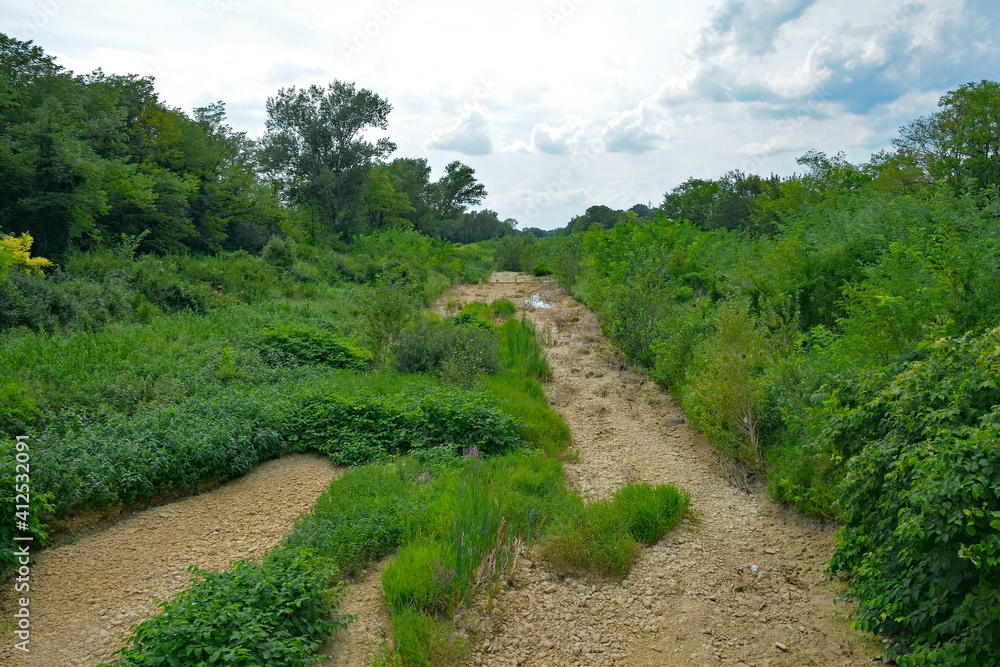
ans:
x=694 y=598
x=85 y=595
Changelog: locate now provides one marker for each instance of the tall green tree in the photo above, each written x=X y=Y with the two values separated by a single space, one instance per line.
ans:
x=960 y=143
x=315 y=150
x=456 y=191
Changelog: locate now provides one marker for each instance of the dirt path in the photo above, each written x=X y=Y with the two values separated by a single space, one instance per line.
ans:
x=692 y=599
x=84 y=596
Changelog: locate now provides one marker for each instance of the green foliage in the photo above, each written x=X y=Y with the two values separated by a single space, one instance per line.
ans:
x=524 y=398
x=367 y=427
x=279 y=252
x=595 y=542
x=649 y=512
x=602 y=538
x=422 y=641
x=725 y=394
x=364 y=515
x=277 y=611
x=14 y=481
x=311 y=345
x=387 y=307
x=541 y=269
x=921 y=505
x=521 y=350
x=503 y=308
x=420 y=578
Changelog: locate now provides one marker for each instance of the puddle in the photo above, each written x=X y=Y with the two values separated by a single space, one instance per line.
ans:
x=536 y=301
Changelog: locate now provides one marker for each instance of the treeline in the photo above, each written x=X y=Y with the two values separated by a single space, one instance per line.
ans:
x=837 y=331
x=87 y=158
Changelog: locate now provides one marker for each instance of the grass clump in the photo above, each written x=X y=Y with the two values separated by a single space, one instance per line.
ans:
x=422 y=640
x=602 y=538
x=503 y=308
x=364 y=515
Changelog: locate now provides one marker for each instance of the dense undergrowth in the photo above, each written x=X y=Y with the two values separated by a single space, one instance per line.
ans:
x=463 y=488
x=841 y=340
x=128 y=396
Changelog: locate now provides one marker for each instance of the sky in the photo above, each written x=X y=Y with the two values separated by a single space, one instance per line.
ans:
x=557 y=104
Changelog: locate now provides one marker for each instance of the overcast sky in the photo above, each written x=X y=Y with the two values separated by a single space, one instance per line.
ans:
x=557 y=104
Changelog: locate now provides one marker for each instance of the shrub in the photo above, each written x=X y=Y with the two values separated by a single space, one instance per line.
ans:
x=279 y=252
x=425 y=345
x=921 y=506
x=275 y=612
x=542 y=269
x=386 y=308
x=503 y=308
x=301 y=343
x=367 y=427
x=725 y=393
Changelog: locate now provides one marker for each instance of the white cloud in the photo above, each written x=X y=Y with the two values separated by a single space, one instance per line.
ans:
x=559 y=140
x=469 y=135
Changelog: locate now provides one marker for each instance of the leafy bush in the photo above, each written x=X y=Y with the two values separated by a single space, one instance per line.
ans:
x=275 y=612
x=425 y=345
x=12 y=482
x=301 y=343
x=542 y=269
x=921 y=506
x=386 y=308
x=161 y=449
x=359 y=429
x=725 y=394
x=279 y=252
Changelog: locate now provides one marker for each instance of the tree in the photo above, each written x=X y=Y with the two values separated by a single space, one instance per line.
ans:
x=456 y=190
x=412 y=177
x=314 y=147
x=960 y=143
x=384 y=204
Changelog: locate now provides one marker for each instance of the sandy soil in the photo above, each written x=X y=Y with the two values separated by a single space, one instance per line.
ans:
x=742 y=584
x=85 y=595
x=692 y=599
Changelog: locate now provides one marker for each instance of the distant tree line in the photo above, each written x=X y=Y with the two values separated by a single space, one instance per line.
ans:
x=87 y=158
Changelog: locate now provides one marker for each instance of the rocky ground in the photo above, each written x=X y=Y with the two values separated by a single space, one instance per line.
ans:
x=85 y=595
x=740 y=584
